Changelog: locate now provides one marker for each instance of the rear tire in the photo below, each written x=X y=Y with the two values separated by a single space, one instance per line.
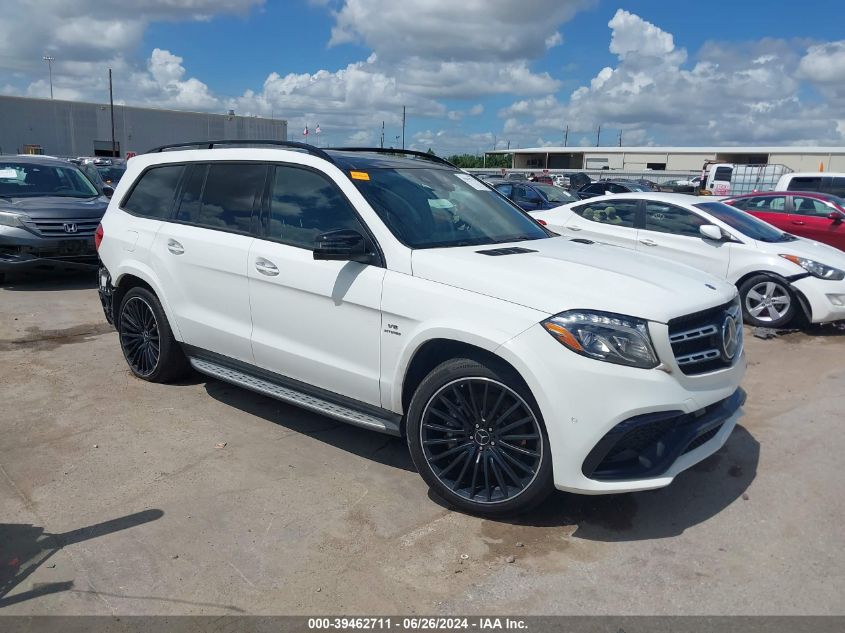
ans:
x=478 y=440
x=147 y=341
x=767 y=301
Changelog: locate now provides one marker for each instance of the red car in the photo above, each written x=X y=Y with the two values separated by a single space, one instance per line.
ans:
x=815 y=216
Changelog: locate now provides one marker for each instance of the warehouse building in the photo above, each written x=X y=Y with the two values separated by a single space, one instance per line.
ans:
x=72 y=128
x=676 y=159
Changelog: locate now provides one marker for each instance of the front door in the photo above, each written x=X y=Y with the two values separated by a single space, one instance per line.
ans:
x=810 y=219
x=672 y=232
x=318 y=322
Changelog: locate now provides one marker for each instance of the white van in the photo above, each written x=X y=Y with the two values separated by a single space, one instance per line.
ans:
x=821 y=181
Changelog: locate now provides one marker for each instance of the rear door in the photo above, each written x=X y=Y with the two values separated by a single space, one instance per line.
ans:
x=809 y=218
x=672 y=232
x=607 y=221
x=771 y=209
x=201 y=256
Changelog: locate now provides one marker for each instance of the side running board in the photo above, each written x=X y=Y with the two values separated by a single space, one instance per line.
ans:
x=295 y=397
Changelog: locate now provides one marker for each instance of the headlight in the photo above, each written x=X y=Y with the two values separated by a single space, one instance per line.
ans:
x=817 y=269
x=10 y=218
x=604 y=336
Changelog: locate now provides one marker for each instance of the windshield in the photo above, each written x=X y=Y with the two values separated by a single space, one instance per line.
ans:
x=428 y=208
x=27 y=180
x=746 y=224
x=111 y=174
x=556 y=194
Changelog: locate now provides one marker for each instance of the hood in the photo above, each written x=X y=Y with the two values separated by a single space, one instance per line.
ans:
x=56 y=207
x=802 y=247
x=562 y=275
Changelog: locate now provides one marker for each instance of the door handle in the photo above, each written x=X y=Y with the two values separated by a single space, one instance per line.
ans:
x=799 y=222
x=266 y=267
x=175 y=247
x=572 y=227
x=648 y=242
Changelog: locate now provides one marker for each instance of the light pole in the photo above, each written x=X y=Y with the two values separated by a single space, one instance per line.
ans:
x=50 y=60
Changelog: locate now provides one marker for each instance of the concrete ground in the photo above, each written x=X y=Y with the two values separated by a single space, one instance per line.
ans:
x=122 y=497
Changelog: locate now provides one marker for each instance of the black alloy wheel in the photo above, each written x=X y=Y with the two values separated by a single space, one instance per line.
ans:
x=139 y=336
x=481 y=440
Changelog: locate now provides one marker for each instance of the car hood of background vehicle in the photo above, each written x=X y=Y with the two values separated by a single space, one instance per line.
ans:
x=803 y=247
x=563 y=275
x=56 y=207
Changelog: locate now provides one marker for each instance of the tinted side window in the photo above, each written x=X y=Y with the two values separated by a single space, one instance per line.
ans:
x=770 y=204
x=810 y=206
x=723 y=173
x=613 y=188
x=505 y=190
x=596 y=188
x=837 y=186
x=228 y=197
x=667 y=218
x=305 y=204
x=618 y=213
x=805 y=183
x=152 y=196
x=527 y=194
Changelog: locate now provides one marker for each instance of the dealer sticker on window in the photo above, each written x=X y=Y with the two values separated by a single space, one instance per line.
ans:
x=472 y=182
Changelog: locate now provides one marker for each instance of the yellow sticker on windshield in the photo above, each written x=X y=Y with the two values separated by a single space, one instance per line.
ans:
x=359 y=175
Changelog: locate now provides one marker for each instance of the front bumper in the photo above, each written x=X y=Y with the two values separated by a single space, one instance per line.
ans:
x=21 y=250
x=584 y=401
x=821 y=297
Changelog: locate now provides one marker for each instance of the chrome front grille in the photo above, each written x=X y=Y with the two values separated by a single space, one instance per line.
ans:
x=701 y=342
x=64 y=227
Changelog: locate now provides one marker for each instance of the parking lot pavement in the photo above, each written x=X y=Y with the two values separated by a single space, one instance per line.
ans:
x=120 y=496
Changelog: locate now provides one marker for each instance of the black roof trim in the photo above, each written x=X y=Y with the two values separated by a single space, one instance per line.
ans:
x=304 y=147
x=401 y=152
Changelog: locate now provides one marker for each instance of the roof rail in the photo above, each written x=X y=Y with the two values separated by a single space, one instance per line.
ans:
x=387 y=150
x=305 y=147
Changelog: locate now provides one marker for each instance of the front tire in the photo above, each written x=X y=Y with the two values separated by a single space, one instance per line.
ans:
x=767 y=302
x=147 y=341
x=477 y=438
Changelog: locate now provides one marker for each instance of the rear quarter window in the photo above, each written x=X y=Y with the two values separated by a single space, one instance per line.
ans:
x=152 y=196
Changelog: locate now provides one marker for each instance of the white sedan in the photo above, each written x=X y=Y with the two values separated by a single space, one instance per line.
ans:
x=777 y=273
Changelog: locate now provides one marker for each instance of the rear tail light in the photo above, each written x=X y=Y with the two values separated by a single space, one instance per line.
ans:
x=98 y=236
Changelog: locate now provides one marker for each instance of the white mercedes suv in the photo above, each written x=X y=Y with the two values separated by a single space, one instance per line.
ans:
x=390 y=290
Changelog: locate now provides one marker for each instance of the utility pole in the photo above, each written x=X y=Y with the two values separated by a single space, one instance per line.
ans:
x=403 y=127
x=50 y=60
x=598 y=135
x=620 y=138
x=509 y=145
x=111 y=107
x=566 y=136
x=382 y=135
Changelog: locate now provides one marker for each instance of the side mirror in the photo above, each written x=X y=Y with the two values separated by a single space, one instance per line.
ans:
x=108 y=191
x=345 y=245
x=711 y=232
x=837 y=216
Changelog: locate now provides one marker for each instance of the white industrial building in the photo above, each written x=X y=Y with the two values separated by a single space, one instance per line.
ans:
x=675 y=159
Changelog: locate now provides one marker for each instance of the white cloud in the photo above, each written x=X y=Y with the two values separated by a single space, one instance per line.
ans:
x=732 y=94
x=824 y=64
x=476 y=30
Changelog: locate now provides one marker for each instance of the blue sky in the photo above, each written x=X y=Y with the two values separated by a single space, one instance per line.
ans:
x=470 y=73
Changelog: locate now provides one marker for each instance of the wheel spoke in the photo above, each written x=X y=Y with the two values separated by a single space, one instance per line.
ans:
x=445 y=440
x=487 y=487
x=781 y=299
x=518 y=449
x=773 y=313
x=474 y=475
x=510 y=410
x=497 y=454
x=756 y=310
x=469 y=414
x=451 y=451
x=442 y=429
x=517 y=463
x=498 y=475
x=527 y=436
x=444 y=416
x=754 y=295
x=770 y=288
x=452 y=464
x=469 y=455
x=459 y=415
x=513 y=425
